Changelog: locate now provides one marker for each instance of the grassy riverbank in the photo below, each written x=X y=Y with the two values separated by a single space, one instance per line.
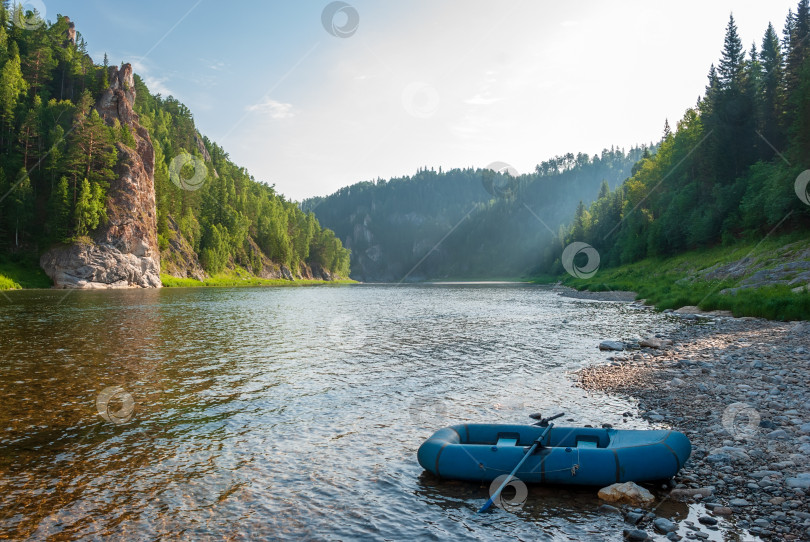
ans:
x=768 y=279
x=26 y=273
x=240 y=277
x=22 y=272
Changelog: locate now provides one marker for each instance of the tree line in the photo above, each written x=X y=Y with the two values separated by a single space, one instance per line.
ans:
x=466 y=223
x=729 y=169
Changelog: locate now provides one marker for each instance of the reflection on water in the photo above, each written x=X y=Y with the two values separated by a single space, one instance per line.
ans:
x=267 y=413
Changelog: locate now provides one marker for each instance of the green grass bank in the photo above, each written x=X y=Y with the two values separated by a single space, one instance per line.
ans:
x=768 y=279
x=21 y=273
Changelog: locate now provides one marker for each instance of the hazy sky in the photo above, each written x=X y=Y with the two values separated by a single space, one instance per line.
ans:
x=418 y=83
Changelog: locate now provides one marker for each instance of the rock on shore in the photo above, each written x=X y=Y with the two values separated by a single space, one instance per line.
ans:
x=627 y=493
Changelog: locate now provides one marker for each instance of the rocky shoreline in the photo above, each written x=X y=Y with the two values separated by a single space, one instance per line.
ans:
x=610 y=295
x=738 y=388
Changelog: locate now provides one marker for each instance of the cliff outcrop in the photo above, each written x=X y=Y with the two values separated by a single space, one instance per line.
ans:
x=124 y=252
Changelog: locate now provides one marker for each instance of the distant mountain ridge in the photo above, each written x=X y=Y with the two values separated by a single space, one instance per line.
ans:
x=465 y=223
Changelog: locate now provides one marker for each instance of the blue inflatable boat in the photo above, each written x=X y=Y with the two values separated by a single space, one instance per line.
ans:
x=565 y=455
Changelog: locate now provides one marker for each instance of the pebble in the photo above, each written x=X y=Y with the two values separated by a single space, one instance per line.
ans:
x=734 y=453
x=763 y=473
x=689 y=494
x=801 y=481
x=663 y=525
x=635 y=534
x=611 y=345
x=633 y=517
x=608 y=509
x=707 y=520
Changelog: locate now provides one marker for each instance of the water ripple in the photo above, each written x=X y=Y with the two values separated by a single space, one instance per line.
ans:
x=273 y=413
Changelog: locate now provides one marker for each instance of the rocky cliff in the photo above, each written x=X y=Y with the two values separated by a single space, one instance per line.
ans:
x=178 y=258
x=124 y=252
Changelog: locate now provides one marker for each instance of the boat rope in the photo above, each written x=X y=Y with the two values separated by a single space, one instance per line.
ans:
x=575 y=466
x=566 y=469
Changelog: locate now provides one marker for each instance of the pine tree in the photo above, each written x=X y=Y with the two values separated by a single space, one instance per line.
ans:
x=90 y=209
x=731 y=66
x=580 y=223
x=771 y=95
x=797 y=51
x=604 y=190
x=3 y=34
x=125 y=136
x=752 y=84
x=787 y=30
x=709 y=103
x=54 y=162
x=734 y=135
x=797 y=84
x=29 y=136
x=20 y=210
x=39 y=61
x=214 y=253
x=12 y=87
x=91 y=154
x=84 y=104
x=59 y=211
x=667 y=130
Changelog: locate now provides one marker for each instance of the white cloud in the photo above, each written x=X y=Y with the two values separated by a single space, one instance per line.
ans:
x=482 y=99
x=273 y=109
x=156 y=85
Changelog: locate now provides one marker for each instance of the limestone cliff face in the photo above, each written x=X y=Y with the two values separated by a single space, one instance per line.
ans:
x=178 y=259
x=125 y=251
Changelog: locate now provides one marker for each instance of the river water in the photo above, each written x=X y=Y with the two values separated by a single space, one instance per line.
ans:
x=270 y=413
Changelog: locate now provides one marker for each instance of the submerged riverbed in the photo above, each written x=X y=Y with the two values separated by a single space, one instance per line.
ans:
x=268 y=413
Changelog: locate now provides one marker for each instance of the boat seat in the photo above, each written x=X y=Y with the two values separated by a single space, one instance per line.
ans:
x=506 y=441
x=587 y=442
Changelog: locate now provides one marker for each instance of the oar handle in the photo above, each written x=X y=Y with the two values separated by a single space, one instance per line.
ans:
x=544 y=421
x=505 y=483
x=561 y=414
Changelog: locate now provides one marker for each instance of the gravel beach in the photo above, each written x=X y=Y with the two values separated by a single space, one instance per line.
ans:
x=738 y=388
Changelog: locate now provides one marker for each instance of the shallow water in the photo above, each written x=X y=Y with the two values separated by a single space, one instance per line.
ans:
x=281 y=412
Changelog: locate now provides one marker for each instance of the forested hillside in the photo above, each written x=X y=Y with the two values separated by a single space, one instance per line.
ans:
x=465 y=223
x=57 y=158
x=731 y=169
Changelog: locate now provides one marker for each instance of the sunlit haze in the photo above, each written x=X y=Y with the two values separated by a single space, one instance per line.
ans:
x=450 y=84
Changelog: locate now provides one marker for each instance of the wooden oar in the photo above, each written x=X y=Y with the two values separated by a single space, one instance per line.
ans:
x=512 y=474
